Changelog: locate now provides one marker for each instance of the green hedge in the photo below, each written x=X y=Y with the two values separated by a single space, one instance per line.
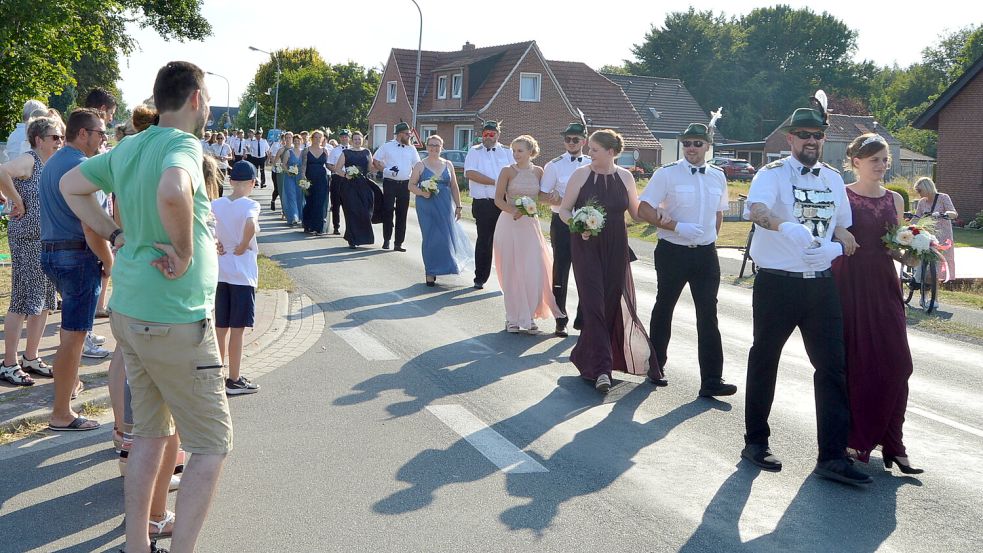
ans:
x=904 y=194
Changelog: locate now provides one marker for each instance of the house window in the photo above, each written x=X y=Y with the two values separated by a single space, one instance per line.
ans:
x=529 y=87
x=442 y=87
x=462 y=136
x=456 y=83
x=626 y=159
x=428 y=131
x=391 y=92
x=379 y=135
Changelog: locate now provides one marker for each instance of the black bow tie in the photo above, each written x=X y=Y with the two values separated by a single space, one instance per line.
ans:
x=806 y=171
x=702 y=170
x=490 y=149
x=575 y=158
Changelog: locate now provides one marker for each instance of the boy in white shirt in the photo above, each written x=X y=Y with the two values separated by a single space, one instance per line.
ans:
x=237 y=224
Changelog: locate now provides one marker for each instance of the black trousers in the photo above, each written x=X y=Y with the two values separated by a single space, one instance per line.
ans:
x=676 y=266
x=276 y=188
x=485 y=217
x=780 y=304
x=560 y=239
x=395 y=202
x=260 y=163
x=334 y=197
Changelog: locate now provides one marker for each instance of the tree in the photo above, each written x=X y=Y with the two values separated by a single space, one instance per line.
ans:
x=40 y=45
x=313 y=94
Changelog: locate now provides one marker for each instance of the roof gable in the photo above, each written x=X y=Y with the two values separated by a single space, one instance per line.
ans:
x=844 y=128
x=930 y=119
x=664 y=104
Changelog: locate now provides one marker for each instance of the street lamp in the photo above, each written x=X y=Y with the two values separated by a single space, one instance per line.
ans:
x=228 y=119
x=419 y=51
x=276 y=98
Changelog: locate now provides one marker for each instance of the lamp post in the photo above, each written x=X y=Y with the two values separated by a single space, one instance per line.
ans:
x=276 y=98
x=419 y=51
x=228 y=120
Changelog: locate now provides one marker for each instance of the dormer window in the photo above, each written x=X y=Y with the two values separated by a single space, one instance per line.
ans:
x=529 y=87
x=442 y=87
x=457 y=82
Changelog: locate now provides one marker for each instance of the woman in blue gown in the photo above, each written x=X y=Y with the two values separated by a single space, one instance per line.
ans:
x=292 y=197
x=446 y=248
x=358 y=196
x=315 y=170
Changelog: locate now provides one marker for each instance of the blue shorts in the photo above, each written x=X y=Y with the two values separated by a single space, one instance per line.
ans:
x=235 y=305
x=77 y=275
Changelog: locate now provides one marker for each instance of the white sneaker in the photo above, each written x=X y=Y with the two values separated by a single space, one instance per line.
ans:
x=97 y=339
x=94 y=351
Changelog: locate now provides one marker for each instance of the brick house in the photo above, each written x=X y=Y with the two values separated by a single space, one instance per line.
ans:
x=842 y=130
x=512 y=83
x=956 y=115
x=666 y=107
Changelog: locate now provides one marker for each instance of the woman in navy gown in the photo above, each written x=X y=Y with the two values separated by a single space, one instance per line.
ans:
x=358 y=196
x=315 y=170
x=446 y=248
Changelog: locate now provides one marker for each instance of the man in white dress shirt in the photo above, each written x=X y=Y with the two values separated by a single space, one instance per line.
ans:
x=17 y=143
x=481 y=167
x=694 y=196
x=396 y=160
x=556 y=173
x=796 y=203
x=337 y=181
x=240 y=146
x=259 y=150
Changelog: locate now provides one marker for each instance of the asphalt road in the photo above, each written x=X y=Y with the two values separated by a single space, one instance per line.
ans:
x=417 y=424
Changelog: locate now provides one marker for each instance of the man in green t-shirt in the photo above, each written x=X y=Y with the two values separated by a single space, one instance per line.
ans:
x=164 y=278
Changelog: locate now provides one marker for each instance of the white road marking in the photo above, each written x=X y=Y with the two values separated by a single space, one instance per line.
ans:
x=948 y=422
x=367 y=346
x=489 y=443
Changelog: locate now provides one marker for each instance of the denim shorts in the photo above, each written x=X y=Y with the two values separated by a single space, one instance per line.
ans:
x=77 y=275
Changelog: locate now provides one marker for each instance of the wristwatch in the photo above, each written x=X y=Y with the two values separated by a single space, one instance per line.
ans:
x=112 y=237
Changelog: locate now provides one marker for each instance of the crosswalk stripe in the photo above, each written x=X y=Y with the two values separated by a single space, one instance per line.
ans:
x=501 y=452
x=363 y=342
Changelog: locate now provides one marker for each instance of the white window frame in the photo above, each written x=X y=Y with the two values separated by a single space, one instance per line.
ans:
x=426 y=131
x=457 y=136
x=457 y=85
x=539 y=86
x=377 y=131
x=391 y=92
x=442 y=87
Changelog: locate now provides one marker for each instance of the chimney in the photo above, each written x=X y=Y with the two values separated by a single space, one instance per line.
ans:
x=467 y=46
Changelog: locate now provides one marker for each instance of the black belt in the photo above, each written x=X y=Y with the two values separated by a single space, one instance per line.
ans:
x=808 y=274
x=689 y=247
x=406 y=181
x=64 y=245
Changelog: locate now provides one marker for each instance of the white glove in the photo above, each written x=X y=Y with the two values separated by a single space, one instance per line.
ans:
x=800 y=235
x=689 y=231
x=821 y=258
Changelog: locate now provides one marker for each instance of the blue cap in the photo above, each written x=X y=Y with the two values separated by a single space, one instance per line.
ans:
x=243 y=170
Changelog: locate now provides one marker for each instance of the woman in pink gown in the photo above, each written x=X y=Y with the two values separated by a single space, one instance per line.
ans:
x=522 y=259
x=878 y=361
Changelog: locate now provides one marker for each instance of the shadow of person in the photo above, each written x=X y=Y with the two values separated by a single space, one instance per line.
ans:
x=456 y=368
x=594 y=459
x=823 y=516
x=421 y=307
x=338 y=254
x=64 y=515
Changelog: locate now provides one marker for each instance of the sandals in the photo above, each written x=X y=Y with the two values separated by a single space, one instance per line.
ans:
x=79 y=388
x=77 y=425
x=160 y=525
x=512 y=328
x=36 y=366
x=15 y=375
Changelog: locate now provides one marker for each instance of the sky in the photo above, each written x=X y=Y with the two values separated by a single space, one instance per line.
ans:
x=888 y=32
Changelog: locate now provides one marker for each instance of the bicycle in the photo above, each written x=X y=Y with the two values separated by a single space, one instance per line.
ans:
x=925 y=281
x=747 y=248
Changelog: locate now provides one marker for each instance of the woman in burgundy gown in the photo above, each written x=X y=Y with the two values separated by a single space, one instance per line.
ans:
x=878 y=360
x=612 y=337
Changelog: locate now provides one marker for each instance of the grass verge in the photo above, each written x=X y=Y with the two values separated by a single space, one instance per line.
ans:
x=938 y=325
x=272 y=276
x=23 y=429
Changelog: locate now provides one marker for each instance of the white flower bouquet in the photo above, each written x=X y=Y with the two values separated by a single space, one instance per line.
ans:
x=527 y=206
x=352 y=171
x=431 y=185
x=278 y=167
x=304 y=185
x=915 y=241
x=588 y=220
x=293 y=170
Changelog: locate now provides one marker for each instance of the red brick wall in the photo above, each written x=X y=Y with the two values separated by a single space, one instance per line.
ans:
x=386 y=113
x=960 y=166
x=544 y=120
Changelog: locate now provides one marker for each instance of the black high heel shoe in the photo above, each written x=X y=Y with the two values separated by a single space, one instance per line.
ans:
x=889 y=461
x=431 y=281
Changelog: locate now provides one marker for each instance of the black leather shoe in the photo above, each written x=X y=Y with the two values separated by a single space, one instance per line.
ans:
x=841 y=471
x=657 y=379
x=561 y=331
x=479 y=285
x=385 y=245
x=399 y=248
x=336 y=232
x=762 y=456
x=716 y=387
x=272 y=206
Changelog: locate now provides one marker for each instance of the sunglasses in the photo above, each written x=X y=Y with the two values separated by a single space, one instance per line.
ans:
x=806 y=135
x=56 y=137
x=571 y=139
x=489 y=134
x=102 y=133
x=693 y=143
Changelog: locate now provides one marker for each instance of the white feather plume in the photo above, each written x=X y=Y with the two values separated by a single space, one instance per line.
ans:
x=822 y=101
x=714 y=116
x=583 y=118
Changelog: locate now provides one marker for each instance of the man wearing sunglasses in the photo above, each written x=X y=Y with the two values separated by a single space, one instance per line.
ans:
x=796 y=203
x=556 y=173
x=76 y=259
x=693 y=195
x=481 y=167
x=396 y=160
